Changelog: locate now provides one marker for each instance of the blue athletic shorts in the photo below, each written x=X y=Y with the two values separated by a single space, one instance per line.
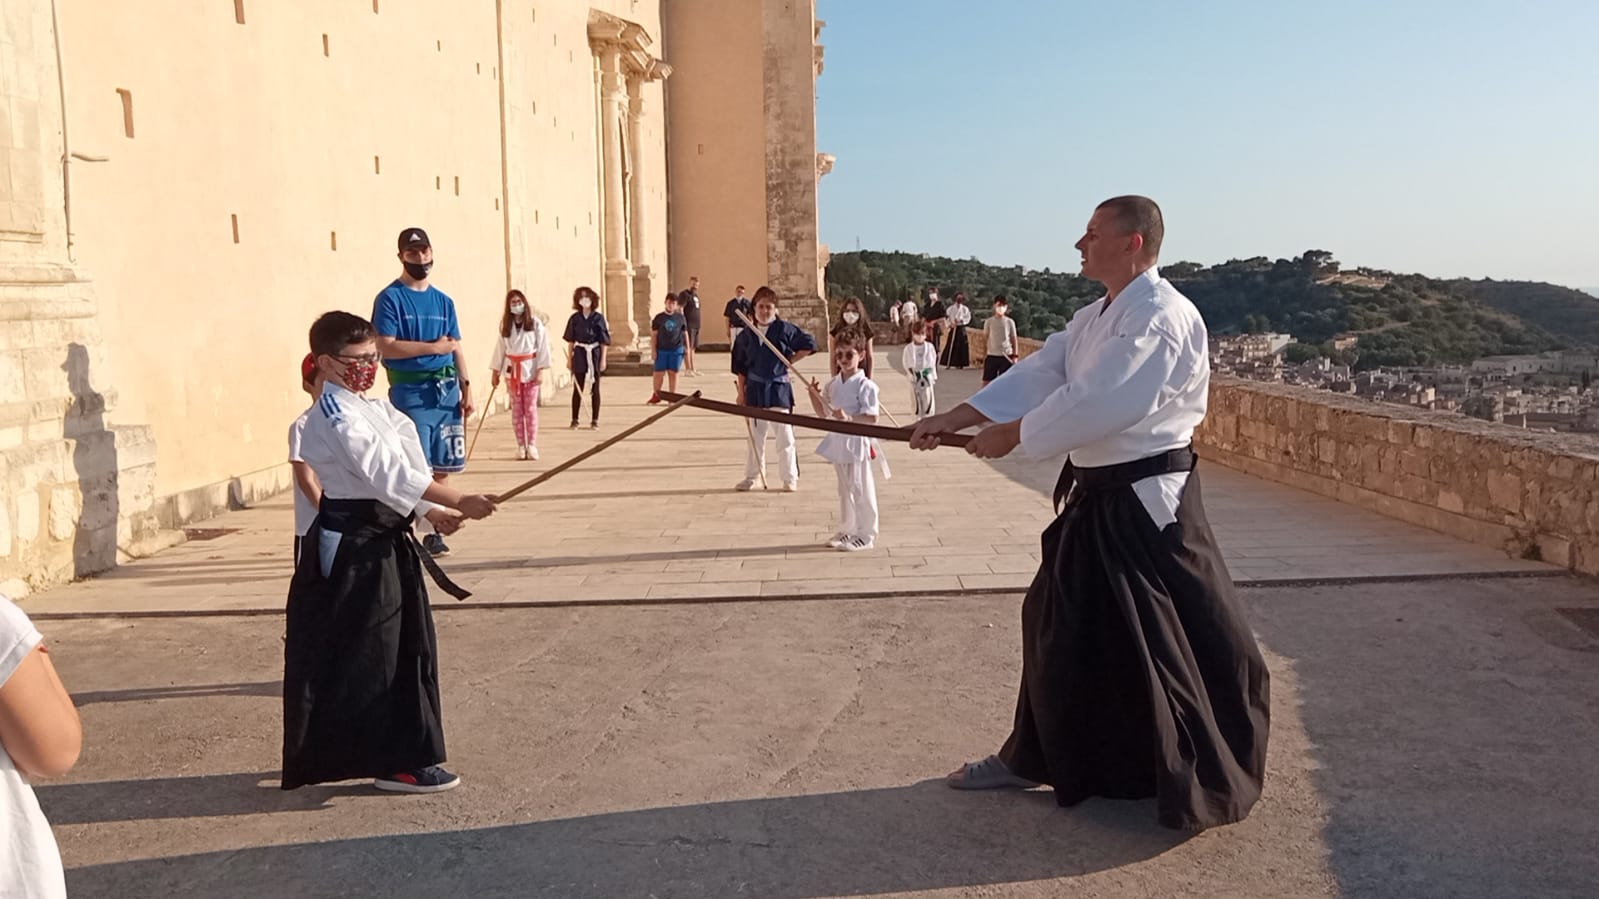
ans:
x=435 y=408
x=669 y=360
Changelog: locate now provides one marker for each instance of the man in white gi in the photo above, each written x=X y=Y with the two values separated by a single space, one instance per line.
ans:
x=1140 y=676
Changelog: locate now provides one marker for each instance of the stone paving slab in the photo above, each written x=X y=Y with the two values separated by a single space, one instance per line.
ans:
x=1427 y=740
x=656 y=518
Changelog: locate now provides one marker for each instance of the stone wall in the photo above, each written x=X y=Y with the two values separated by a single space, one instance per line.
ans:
x=159 y=269
x=1534 y=495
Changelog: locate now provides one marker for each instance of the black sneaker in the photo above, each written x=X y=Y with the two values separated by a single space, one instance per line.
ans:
x=431 y=779
x=573 y=425
x=434 y=544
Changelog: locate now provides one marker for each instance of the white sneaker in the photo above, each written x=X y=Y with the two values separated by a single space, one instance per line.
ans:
x=837 y=540
x=532 y=452
x=521 y=452
x=791 y=487
x=853 y=544
x=744 y=485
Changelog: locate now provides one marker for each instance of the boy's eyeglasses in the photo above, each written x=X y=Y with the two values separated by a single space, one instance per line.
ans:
x=369 y=358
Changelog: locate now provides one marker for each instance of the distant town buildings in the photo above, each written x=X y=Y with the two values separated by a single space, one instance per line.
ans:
x=1549 y=391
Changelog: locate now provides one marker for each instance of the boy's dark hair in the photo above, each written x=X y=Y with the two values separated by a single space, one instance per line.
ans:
x=671 y=298
x=582 y=292
x=848 y=340
x=1001 y=299
x=919 y=326
x=334 y=331
x=764 y=293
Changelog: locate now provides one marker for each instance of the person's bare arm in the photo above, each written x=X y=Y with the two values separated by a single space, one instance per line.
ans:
x=306 y=482
x=466 y=388
x=395 y=348
x=39 y=726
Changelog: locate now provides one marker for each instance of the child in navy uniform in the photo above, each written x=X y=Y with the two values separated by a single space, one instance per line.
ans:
x=763 y=382
x=360 y=668
x=588 y=337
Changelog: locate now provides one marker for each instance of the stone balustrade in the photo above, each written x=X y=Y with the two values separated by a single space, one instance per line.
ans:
x=1533 y=494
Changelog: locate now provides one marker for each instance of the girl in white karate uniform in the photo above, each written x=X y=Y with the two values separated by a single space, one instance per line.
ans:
x=851 y=396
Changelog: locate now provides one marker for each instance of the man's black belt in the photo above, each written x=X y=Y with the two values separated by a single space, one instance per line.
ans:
x=1122 y=474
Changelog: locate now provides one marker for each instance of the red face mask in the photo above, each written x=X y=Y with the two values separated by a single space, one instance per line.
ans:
x=359 y=372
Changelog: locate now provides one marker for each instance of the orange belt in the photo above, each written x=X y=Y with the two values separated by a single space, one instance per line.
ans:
x=516 y=366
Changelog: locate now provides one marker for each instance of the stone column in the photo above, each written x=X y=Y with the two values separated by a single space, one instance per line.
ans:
x=638 y=184
x=791 y=63
x=625 y=331
x=73 y=489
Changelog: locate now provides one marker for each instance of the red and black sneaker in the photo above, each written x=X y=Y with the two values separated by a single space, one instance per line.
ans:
x=431 y=779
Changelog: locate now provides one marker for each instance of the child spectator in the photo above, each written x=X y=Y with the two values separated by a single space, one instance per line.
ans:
x=999 y=333
x=588 y=338
x=851 y=396
x=521 y=356
x=670 y=331
x=920 y=358
x=763 y=382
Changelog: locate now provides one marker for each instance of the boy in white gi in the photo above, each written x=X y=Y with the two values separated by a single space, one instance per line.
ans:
x=361 y=672
x=921 y=365
x=851 y=396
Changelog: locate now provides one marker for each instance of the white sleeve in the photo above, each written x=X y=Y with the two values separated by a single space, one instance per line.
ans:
x=391 y=470
x=869 y=399
x=543 y=348
x=18 y=637
x=297 y=439
x=498 y=363
x=1028 y=384
x=1134 y=377
x=414 y=452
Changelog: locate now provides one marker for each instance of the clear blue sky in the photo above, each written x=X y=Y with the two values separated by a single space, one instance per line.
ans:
x=1446 y=137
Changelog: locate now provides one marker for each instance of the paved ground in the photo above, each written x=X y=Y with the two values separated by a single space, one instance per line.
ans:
x=663 y=688
x=1428 y=739
x=655 y=517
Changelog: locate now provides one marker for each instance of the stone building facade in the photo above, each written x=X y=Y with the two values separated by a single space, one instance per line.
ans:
x=183 y=190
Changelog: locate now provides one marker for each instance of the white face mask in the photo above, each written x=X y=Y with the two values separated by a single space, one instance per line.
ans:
x=518 y=308
x=585 y=302
x=764 y=317
x=852 y=317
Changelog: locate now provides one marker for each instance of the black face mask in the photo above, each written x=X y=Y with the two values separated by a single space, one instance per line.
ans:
x=418 y=270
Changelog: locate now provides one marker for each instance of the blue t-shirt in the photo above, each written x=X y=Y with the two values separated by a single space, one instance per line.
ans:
x=420 y=315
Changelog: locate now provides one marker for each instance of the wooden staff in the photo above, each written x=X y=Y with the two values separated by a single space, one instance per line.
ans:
x=855 y=428
x=534 y=482
x=484 y=417
x=751 y=325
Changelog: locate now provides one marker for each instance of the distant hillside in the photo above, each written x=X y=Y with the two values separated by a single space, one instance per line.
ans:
x=1400 y=319
x=1568 y=314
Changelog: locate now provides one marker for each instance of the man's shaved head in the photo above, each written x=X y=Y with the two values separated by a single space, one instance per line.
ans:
x=1138 y=215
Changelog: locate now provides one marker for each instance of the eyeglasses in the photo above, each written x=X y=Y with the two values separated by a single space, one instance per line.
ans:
x=368 y=358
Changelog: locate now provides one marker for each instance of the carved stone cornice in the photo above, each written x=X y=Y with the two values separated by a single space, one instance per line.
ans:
x=630 y=41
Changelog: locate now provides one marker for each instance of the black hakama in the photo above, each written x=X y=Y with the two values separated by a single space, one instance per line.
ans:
x=1140 y=675
x=360 y=674
x=957 y=354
